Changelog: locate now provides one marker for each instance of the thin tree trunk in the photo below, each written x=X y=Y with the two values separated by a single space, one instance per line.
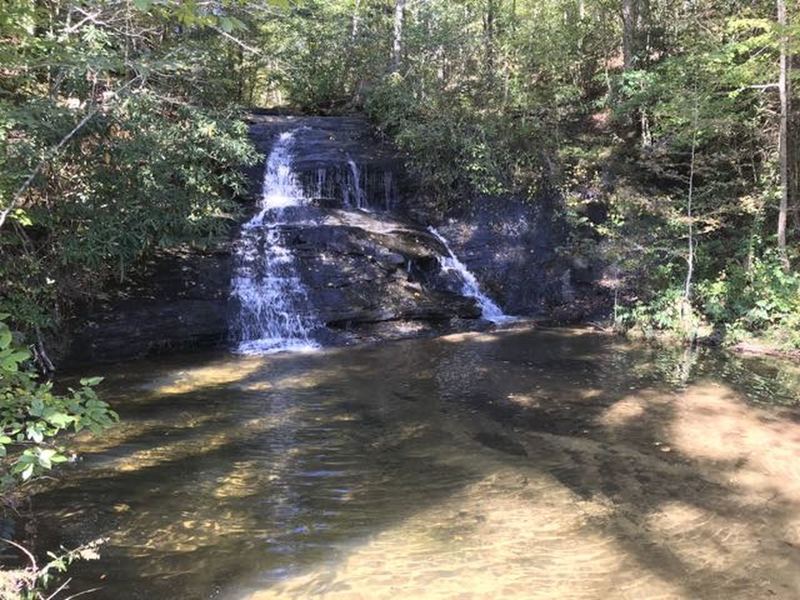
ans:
x=630 y=17
x=488 y=30
x=687 y=289
x=356 y=20
x=397 y=42
x=785 y=91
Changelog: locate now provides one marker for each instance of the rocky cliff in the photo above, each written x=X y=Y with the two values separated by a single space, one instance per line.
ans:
x=372 y=271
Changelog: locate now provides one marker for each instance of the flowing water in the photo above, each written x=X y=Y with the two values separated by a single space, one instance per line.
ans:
x=514 y=464
x=470 y=286
x=355 y=195
x=274 y=312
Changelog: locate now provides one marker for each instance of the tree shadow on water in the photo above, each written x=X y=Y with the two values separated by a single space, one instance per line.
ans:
x=292 y=482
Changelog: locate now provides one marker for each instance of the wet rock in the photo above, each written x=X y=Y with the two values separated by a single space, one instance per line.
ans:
x=177 y=301
x=369 y=277
x=335 y=158
x=363 y=269
x=501 y=443
x=371 y=274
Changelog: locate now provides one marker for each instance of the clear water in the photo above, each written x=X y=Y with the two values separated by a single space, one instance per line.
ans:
x=470 y=286
x=519 y=464
x=273 y=310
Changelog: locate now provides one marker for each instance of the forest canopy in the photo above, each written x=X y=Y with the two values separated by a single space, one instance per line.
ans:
x=122 y=133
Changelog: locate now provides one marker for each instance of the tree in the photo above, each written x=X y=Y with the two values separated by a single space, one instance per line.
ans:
x=397 y=38
x=97 y=125
x=784 y=86
x=630 y=19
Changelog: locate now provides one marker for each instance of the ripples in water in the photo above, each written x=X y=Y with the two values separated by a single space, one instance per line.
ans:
x=519 y=464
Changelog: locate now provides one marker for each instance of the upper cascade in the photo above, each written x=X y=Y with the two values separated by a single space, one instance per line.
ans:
x=281 y=187
x=273 y=309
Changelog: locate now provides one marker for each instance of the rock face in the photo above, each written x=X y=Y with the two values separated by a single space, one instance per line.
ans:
x=176 y=301
x=337 y=160
x=373 y=276
x=372 y=272
x=511 y=246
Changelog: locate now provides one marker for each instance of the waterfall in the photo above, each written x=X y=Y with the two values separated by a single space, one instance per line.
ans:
x=469 y=285
x=357 y=189
x=266 y=286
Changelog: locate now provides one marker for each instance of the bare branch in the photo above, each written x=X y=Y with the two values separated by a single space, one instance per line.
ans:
x=59 y=589
x=50 y=154
x=83 y=593
x=237 y=41
x=765 y=86
x=27 y=552
x=88 y=18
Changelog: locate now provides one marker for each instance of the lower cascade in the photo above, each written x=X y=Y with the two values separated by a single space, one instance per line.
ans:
x=469 y=284
x=273 y=309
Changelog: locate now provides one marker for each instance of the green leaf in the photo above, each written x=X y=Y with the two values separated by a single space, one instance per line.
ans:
x=143 y=4
x=45 y=458
x=22 y=217
x=91 y=381
x=60 y=419
x=225 y=24
x=35 y=434
x=36 y=408
x=5 y=336
x=27 y=472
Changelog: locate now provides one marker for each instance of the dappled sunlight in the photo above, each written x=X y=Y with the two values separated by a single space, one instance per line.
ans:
x=538 y=464
x=200 y=444
x=220 y=372
x=470 y=336
x=755 y=450
x=507 y=535
x=630 y=409
x=701 y=539
x=623 y=413
x=129 y=430
x=524 y=400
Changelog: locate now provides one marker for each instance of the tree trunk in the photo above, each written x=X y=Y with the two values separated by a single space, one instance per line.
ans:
x=488 y=31
x=397 y=42
x=687 y=288
x=356 y=20
x=630 y=17
x=783 y=143
x=687 y=320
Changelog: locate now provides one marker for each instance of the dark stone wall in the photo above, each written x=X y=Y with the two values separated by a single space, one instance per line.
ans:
x=370 y=275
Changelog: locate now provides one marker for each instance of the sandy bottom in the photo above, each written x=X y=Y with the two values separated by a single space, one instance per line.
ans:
x=524 y=464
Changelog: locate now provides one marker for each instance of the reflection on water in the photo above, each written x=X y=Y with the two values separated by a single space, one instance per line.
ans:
x=519 y=464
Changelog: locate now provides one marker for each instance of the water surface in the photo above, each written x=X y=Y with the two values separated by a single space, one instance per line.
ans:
x=517 y=464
